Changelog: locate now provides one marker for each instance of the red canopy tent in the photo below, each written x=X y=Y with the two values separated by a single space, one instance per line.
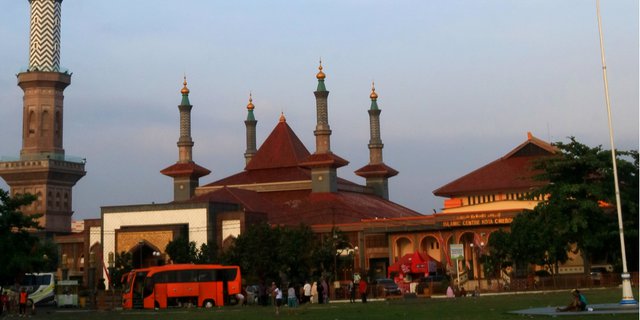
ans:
x=417 y=262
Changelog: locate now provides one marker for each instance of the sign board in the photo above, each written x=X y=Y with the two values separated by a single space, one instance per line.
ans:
x=457 y=251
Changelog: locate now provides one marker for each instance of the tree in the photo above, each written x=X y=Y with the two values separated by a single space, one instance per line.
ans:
x=181 y=250
x=123 y=265
x=498 y=254
x=21 y=251
x=267 y=253
x=576 y=209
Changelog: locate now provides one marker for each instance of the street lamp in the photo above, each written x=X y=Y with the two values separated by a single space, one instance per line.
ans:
x=140 y=244
x=111 y=261
x=92 y=276
x=65 y=267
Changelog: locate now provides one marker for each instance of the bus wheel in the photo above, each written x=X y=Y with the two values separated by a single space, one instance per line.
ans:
x=156 y=305
x=208 y=304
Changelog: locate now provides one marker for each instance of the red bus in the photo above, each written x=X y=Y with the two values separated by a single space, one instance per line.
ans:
x=203 y=285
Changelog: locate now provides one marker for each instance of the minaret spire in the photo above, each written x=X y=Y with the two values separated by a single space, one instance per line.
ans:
x=323 y=162
x=43 y=169
x=185 y=172
x=250 y=125
x=44 y=42
x=376 y=172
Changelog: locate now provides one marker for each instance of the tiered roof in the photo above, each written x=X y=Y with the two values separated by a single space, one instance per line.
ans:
x=282 y=159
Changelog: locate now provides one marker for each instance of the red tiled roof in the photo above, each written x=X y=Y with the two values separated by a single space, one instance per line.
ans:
x=324 y=160
x=250 y=200
x=185 y=169
x=332 y=208
x=512 y=172
x=376 y=170
x=281 y=149
x=281 y=158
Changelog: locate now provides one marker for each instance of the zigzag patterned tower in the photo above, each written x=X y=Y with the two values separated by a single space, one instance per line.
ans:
x=44 y=37
x=43 y=169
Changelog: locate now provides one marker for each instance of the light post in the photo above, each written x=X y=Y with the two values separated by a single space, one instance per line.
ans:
x=473 y=261
x=627 y=292
x=65 y=267
x=92 y=276
x=156 y=254
x=140 y=244
x=111 y=261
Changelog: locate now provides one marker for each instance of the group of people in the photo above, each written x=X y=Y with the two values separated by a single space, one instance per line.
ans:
x=22 y=298
x=362 y=289
x=316 y=292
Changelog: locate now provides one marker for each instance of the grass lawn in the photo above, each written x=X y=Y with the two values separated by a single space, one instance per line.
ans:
x=483 y=307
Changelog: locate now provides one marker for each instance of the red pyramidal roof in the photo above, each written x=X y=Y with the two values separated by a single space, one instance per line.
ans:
x=513 y=171
x=281 y=149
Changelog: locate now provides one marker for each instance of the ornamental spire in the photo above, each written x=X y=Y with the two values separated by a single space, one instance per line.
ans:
x=185 y=93
x=250 y=126
x=321 y=76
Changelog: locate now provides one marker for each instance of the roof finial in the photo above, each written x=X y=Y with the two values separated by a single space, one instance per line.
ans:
x=185 y=90
x=373 y=95
x=320 y=74
x=282 y=118
x=250 y=106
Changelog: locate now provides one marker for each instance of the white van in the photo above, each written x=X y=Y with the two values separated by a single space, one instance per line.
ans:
x=40 y=287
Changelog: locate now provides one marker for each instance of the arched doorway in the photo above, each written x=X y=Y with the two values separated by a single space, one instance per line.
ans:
x=431 y=246
x=146 y=255
x=473 y=250
x=403 y=246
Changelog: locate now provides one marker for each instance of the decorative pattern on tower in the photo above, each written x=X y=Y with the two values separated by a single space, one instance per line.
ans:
x=44 y=38
x=43 y=168
x=323 y=163
x=185 y=173
x=376 y=172
x=250 y=125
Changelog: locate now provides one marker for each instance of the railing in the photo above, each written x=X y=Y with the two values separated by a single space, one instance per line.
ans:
x=52 y=156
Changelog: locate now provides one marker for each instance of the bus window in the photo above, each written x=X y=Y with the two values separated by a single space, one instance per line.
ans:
x=227 y=274
x=148 y=287
x=187 y=276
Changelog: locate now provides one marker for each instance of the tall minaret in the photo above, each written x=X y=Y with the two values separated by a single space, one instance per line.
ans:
x=323 y=162
x=376 y=172
x=43 y=169
x=185 y=173
x=250 y=124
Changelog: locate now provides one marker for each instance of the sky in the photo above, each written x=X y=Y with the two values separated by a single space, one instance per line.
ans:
x=460 y=84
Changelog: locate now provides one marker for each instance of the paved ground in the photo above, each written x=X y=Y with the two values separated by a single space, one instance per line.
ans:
x=609 y=308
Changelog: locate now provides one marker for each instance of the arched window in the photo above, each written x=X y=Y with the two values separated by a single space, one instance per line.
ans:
x=31 y=124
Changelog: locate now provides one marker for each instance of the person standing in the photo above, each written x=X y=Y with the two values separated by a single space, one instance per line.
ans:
x=307 y=292
x=292 y=300
x=22 y=310
x=277 y=294
x=325 y=290
x=314 y=292
x=352 y=292
x=362 y=286
x=320 y=289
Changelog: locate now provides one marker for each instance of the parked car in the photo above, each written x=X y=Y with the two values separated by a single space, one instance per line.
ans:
x=389 y=287
x=597 y=272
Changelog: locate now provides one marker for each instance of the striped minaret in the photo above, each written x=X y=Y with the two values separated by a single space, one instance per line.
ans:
x=376 y=172
x=323 y=131
x=44 y=36
x=185 y=173
x=323 y=163
x=250 y=125
x=43 y=169
x=185 y=143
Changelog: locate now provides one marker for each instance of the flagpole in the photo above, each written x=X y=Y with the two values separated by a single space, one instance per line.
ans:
x=627 y=293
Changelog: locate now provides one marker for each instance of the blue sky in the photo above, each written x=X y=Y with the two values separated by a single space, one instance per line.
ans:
x=460 y=83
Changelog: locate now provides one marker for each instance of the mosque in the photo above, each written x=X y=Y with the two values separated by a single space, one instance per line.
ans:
x=282 y=183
